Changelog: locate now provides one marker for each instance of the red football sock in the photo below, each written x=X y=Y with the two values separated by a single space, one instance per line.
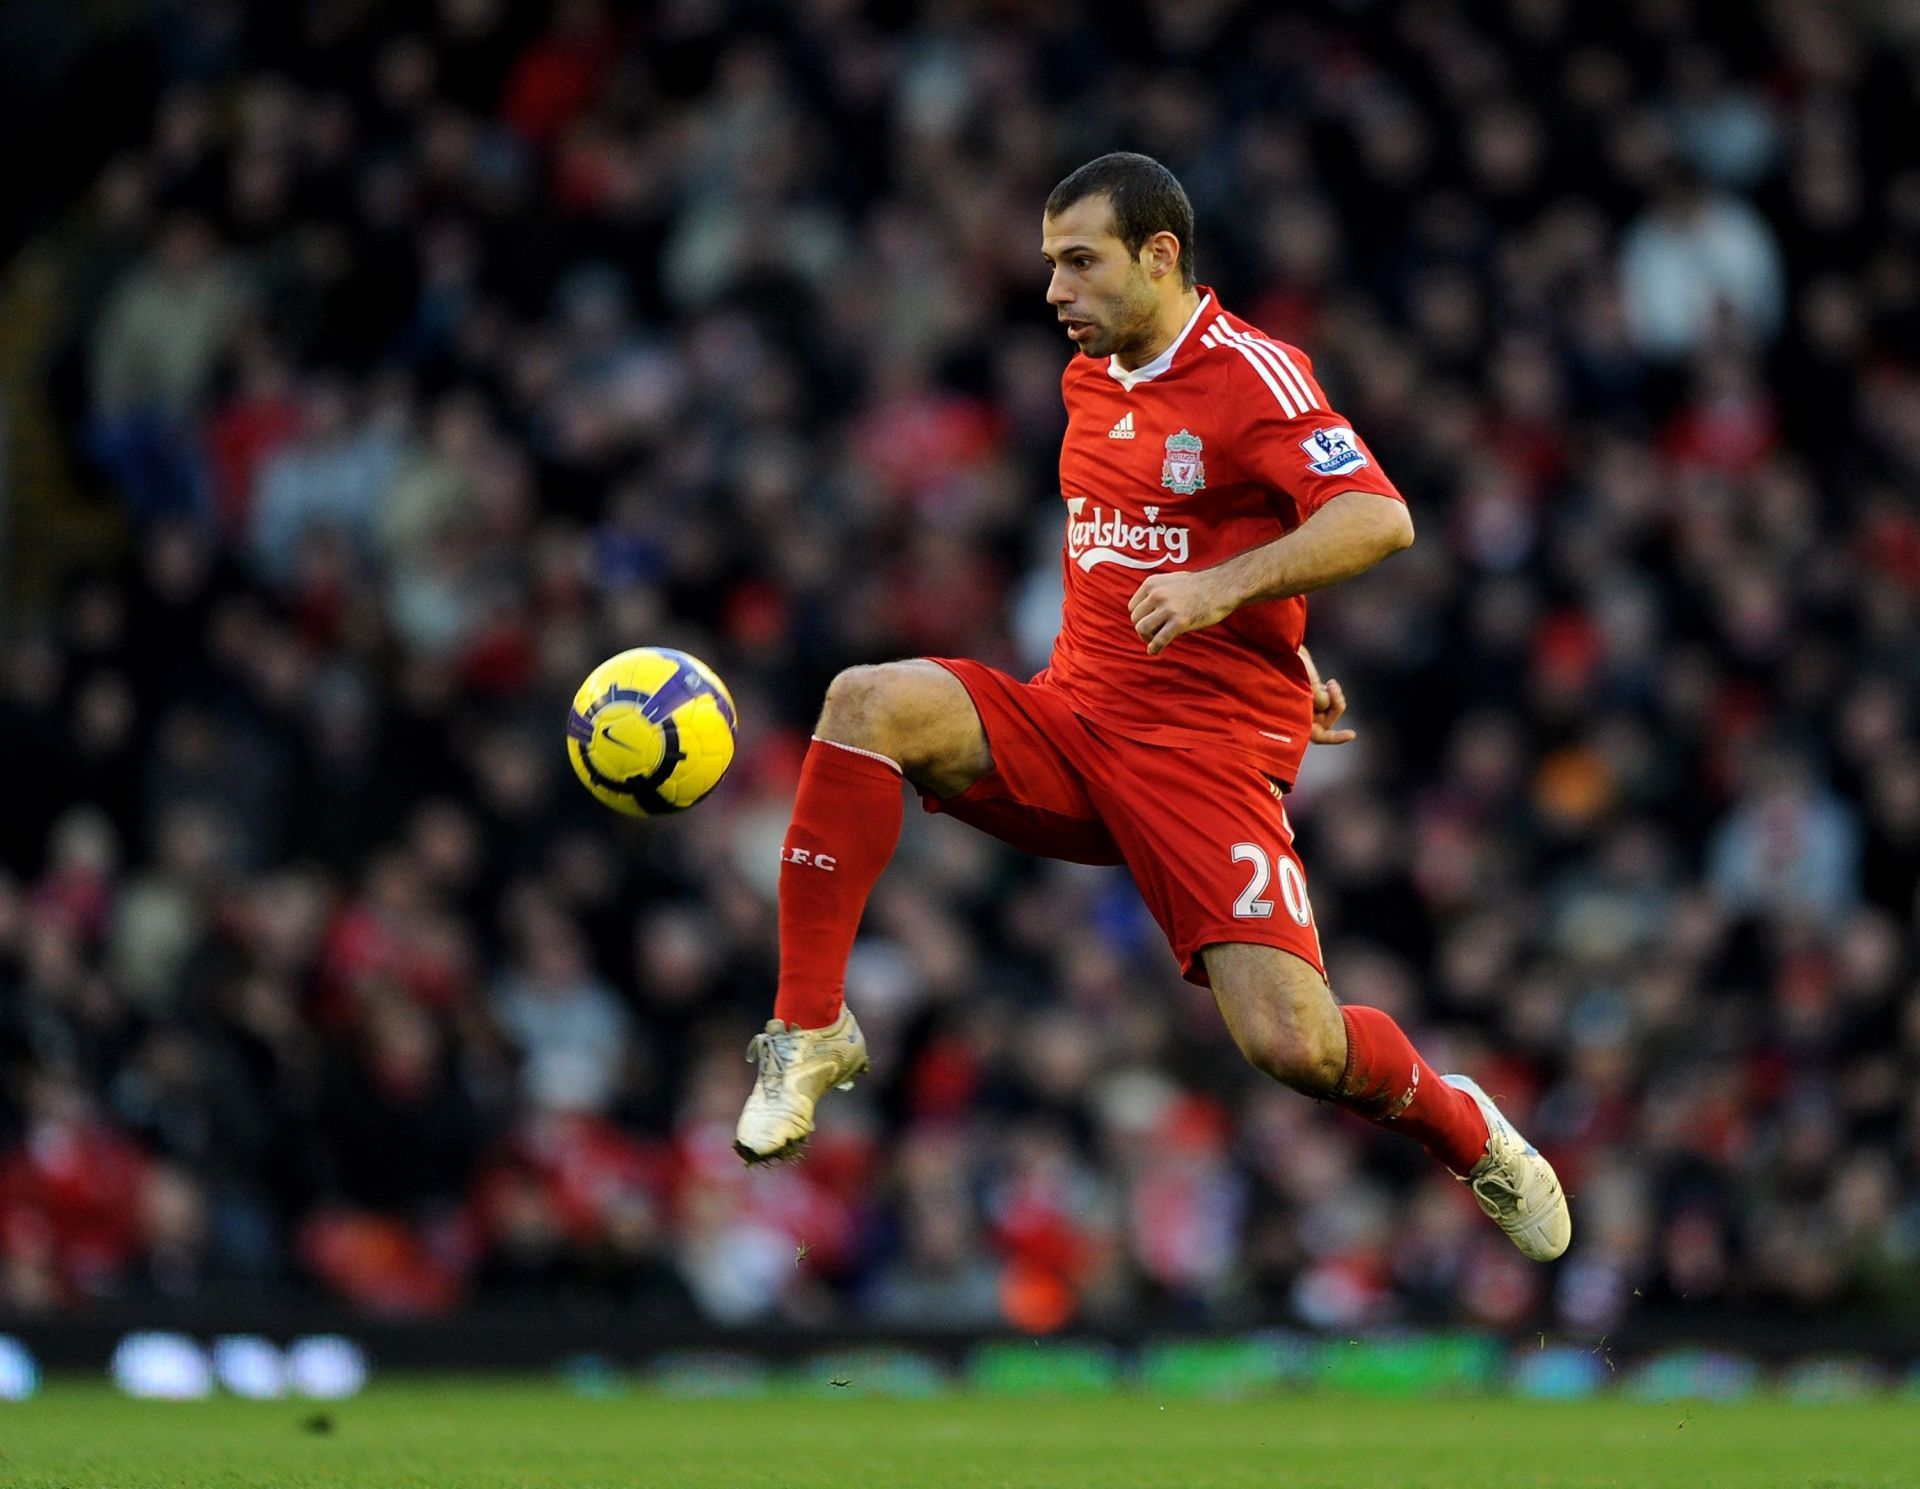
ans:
x=846 y=819
x=1388 y=1083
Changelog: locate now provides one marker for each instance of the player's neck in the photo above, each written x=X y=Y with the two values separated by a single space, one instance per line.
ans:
x=1167 y=324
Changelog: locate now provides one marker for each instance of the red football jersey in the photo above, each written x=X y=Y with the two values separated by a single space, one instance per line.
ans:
x=1221 y=444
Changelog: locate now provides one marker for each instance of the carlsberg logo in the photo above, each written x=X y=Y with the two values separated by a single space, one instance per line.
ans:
x=1109 y=538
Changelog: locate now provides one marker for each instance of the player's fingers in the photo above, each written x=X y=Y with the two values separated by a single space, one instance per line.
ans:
x=1336 y=703
x=1165 y=632
x=1332 y=736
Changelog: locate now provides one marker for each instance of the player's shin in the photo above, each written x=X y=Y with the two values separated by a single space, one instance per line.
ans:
x=1388 y=1083
x=846 y=820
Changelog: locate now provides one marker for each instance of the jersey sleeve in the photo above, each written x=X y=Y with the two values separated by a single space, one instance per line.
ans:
x=1292 y=441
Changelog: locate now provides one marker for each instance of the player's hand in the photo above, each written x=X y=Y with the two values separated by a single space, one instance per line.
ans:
x=1170 y=605
x=1329 y=702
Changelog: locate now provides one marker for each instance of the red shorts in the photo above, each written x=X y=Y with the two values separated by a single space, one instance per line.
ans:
x=1204 y=833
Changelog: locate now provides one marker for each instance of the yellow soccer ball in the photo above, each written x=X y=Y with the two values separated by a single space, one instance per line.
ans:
x=651 y=731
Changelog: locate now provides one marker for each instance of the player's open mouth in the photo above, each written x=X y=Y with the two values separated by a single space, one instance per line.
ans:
x=1080 y=330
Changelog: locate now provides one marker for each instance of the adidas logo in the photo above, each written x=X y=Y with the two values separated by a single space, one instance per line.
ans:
x=1124 y=429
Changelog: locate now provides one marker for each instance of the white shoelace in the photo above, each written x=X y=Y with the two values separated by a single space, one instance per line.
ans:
x=774 y=1049
x=1503 y=1189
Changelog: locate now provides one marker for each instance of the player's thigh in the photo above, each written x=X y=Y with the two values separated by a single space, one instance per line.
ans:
x=1209 y=845
x=916 y=713
x=1032 y=794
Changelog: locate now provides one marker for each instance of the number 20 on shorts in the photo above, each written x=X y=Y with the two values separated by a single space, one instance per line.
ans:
x=1252 y=904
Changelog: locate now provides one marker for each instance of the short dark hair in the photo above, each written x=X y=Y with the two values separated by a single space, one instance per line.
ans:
x=1147 y=198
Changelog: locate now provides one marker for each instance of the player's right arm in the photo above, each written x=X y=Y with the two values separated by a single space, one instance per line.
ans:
x=1347 y=536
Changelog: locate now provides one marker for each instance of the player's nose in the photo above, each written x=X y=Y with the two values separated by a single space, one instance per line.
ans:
x=1058 y=291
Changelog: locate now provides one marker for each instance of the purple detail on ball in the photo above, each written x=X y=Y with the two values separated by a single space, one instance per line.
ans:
x=688 y=683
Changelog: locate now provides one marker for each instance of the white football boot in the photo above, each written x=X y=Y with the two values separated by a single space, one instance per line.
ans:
x=1515 y=1185
x=797 y=1067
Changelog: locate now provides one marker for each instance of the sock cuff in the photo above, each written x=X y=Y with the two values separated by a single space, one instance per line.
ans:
x=886 y=760
x=1346 y=1070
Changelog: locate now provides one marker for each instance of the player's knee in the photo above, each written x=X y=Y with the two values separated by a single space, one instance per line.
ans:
x=890 y=708
x=917 y=714
x=856 y=711
x=1306 y=1059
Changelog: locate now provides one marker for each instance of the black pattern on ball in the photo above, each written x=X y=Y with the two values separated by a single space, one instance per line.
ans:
x=644 y=790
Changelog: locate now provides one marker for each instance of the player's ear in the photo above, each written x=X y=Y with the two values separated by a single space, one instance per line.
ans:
x=1162 y=254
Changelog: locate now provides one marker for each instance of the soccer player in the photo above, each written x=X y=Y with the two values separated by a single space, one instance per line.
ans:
x=1208 y=488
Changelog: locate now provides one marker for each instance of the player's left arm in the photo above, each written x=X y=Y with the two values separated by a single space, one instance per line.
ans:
x=1329 y=703
x=1345 y=535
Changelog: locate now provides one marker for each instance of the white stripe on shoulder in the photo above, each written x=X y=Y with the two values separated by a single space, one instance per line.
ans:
x=1299 y=377
x=1253 y=360
x=1281 y=364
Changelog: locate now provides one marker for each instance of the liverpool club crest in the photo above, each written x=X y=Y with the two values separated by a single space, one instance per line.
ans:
x=1182 y=470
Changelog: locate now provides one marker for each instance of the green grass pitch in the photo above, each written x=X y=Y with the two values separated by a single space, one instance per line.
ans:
x=528 y=1436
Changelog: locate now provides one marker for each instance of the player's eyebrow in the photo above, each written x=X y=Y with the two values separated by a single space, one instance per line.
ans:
x=1070 y=248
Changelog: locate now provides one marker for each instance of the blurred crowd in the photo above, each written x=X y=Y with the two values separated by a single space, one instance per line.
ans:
x=435 y=351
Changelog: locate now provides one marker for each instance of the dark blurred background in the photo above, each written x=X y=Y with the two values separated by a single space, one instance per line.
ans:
x=371 y=370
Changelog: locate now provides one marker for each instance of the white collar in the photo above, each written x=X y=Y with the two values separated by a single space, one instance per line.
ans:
x=1153 y=369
